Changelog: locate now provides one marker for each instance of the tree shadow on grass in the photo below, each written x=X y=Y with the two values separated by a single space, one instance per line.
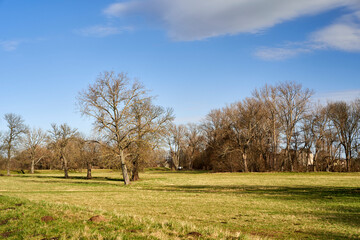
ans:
x=349 y=216
x=74 y=177
x=330 y=199
x=178 y=172
x=307 y=192
x=323 y=234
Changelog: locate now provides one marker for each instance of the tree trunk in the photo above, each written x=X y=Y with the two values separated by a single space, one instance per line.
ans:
x=348 y=159
x=265 y=159
x=135 y=170
x=32 y=158
x=8 y=162
x=175 y=162
x=245 y=163
x=289 y=159
x=135 y=174
x=331 y=157
x=66 y=174
x=124 y=168
x=274 y=146
x=173 y=167
x=32 y=170
x=275 y=162
x=8 y=167
x=307 y=162
x=88 y=175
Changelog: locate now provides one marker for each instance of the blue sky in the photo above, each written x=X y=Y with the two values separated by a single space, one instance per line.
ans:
x=195 y=55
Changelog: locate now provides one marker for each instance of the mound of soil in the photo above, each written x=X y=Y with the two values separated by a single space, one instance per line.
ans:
x=3 y=222
x=47 y=219
x=194 y=234
x=97 y=218
x=9 y=208
x=7 y=234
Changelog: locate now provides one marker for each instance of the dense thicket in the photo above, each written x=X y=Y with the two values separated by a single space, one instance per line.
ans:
x=278 y=128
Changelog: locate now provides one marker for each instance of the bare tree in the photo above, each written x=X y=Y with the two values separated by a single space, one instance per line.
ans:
x=345 y=118
x=247 y=119
x=293 y=103
x=176 y=141
x=109 y=101
x=89 y=152
x=212 y=126
x=151 y=124
x=318 y=130
x=194 y=141
x=16 y=128
x=269 y=96
x=304 y=140
x=218 y=148
x=91 y=156
x=33 y=139
x=60 y=136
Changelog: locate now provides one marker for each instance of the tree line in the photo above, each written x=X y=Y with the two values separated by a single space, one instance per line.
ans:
x=278 y=128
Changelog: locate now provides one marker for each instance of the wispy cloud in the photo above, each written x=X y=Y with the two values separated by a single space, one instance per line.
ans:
x=279 y=53
x=346 y=95
x=187 y=20
x=342 y=35
x=10 y=45
x=101 y=31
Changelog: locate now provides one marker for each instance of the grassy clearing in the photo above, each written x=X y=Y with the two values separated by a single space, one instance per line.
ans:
x=23 y=219
x=173 y=204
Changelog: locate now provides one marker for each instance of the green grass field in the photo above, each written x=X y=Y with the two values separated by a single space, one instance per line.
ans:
x=181 y=205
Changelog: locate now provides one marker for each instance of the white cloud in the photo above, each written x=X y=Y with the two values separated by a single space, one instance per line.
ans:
x=343 y=35
x=9 y=45
x=188 y=20
x=100 y=31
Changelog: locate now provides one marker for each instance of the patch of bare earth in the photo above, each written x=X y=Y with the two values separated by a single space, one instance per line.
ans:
x=133 y=230
x=7 y=234
x=97 y=218
x=194 y=234
x=9 y=208
x=47 y=219
x=5 y=221
x=271 y=234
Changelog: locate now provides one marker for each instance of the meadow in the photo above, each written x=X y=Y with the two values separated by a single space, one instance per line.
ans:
x=180 y=205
